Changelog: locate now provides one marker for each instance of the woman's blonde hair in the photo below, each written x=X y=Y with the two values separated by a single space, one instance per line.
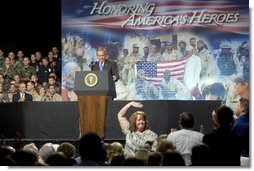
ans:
x=133 y=119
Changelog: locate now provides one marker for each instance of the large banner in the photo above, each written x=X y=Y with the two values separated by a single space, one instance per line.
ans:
x=165 y=49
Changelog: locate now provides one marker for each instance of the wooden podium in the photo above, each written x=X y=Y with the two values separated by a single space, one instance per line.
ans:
x=94 y=89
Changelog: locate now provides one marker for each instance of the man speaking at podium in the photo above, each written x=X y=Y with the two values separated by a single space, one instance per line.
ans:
x=104 y=64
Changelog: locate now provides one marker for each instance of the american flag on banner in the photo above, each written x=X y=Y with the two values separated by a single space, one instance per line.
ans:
x=155 y=70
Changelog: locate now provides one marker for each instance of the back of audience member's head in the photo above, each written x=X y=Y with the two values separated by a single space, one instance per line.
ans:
x=91 y=148
x=32 y=148
x=224 y=116
x=57 y=159
x=24 y=158
x=117 y=160
x=46 y=150
x=142 y=154
x=133 y=161
x=6 y=151
x=7 y=161
x=201 y=155
x=68 y=149
x=164 y=145
x=162 y=136
x=173 y=158
x=155 y=159
x=114 y=149
x=186 y=120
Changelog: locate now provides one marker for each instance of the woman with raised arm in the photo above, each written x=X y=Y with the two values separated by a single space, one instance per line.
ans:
x=137 y=132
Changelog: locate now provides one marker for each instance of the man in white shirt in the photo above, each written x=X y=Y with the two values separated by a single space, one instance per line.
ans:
x=185 y=138
x=22 y=96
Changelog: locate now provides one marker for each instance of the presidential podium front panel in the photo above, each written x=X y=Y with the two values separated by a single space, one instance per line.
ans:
x=94 y=89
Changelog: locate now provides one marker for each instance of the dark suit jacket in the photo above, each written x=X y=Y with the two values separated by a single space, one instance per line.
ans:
x=110 y=66
x=16 y=97
x=225 y=147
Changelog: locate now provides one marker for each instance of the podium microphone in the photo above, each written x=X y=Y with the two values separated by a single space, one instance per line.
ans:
x=91 y=65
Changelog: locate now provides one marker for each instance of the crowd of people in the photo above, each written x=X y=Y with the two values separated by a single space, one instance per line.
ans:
x=37 y=78
x=30 y=78
x=226 y=145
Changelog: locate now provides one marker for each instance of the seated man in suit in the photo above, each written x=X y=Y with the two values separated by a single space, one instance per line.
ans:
x=105 y=64
x=22 y=96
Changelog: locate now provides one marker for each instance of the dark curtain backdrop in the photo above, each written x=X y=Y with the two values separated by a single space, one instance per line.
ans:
x=30 y=25
x=60 y=120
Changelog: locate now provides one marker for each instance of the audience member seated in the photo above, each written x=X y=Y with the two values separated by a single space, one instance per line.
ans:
x=52 y=95
x=69 y=151
x=143 y=154
x=11 y=92
x=41 y=94
x=117 y=160
x=22 y=96
x=133 y=161
x=155 y=159
x=24 y=158
x=91 y=150
x=164 y=145
x=57 y=159
x=45 y=151
x=114 y=149
x=173 y=158
x=201 y=155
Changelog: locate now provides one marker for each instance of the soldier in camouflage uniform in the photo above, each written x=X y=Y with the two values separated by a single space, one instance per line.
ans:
x=2 y=59
x=41 y=94
x=8 y=72
x=20 y=55
x=227 y=61
x=14 y=62
x=154 y=55
x=129 y=63
x=1 y=82
x=26 y=71
x=193 y=44
x=244 y=59
x=171 y=88
x=182 y=46
x=17 y=80
x=37 y=85
x=52 y=80
x=31 y=89
x=146 y=51
x=121 y=58
x=145 y=90
x=1 y=78
x=170 y=53
x=162 y=47
x=2 y=91
x=209 y=67
x=12 y=90
x=52 y=95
